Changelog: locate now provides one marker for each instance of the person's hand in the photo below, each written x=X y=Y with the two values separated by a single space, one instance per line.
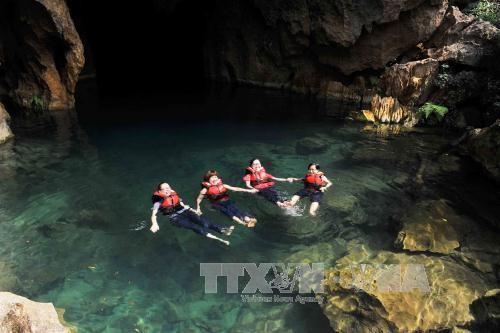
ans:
x=322 y=189
x=254 y=190
x=198 y=211
x=290 y=179
x=154 y=228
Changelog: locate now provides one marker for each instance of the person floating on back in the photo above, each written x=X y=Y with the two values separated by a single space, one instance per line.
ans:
x=217 y=193
x=315 y=183
x=257 y=178
x=167 y=201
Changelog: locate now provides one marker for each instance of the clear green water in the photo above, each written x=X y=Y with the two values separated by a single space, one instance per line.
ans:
x=75 y=195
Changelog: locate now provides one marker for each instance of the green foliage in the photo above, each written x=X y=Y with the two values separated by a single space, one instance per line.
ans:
x=486 y=10
x=37 y=103
x=430 y=108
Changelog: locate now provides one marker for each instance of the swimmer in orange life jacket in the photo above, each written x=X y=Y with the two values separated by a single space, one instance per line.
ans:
x=217 y=193
x=257 y=178
x=167 y=201
x=315 y=183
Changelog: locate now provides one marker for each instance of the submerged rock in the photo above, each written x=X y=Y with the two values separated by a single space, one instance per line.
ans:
x=5 y=132
x=419 y=293
x=311 y=145
x=432 y=226
x=19 y=314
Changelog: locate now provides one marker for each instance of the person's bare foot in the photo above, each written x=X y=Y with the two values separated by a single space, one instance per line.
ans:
x=228 y=231
x=251 y=222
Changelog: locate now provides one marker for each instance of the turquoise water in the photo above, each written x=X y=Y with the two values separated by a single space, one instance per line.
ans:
x=75 y=205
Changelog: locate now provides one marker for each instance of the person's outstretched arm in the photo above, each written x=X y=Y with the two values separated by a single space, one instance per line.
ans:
x=289 y=179
x=154 y=223
x=239 y=189
x=199 y=200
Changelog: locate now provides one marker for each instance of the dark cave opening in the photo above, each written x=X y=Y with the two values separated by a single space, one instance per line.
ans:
x=147 y=48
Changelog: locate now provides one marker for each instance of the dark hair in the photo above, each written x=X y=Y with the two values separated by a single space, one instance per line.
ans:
x=159 y=185
x=311 y=164
x=209 y=174
x=252 y=160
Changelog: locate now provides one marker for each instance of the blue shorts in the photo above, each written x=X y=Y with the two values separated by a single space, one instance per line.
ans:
x=314 y=195
x=229 y=208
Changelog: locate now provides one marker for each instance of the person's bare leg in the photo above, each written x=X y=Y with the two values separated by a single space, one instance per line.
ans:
x=314 y=207
x=294 y=200
x=217 y=238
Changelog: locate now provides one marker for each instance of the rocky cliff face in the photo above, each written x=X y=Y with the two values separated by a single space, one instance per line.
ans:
x=41 y=54
x=338 y=50
x=353 y=51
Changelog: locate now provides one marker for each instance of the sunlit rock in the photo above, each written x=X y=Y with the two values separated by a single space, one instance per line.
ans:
x=407 y=293
x=19 y=314
x=389 y=110
x=410 y=82
x=432 y=226
x=5 y=132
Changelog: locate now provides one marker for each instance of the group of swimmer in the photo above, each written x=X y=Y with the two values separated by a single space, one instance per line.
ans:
x=256 y=179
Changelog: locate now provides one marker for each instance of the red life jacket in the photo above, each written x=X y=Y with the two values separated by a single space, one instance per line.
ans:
x=260 y=179
x=314 y=181
x=169 y=203
x=217 y=192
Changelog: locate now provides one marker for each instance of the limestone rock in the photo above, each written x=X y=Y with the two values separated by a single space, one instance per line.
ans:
x=43 y=53
x=464 y=40
x=419 y=293
x=19 y=314
x=432 y=226
x=302 y=44
x=5 y=132
x=410 y=83
x=389 y=110
x=386 y=42
x=483 y=145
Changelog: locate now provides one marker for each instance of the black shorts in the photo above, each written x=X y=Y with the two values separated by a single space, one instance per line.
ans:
x=314 y=195
x=270 y=194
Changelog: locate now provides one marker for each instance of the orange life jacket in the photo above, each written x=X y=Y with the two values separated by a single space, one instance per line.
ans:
x=260 y=179
x=314 y=180
x=169 y=203
x=217 y=192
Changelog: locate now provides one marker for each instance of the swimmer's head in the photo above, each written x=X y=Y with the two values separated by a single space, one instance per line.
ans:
x=212 y=177
x=313 y=167
x=255 y=163
x=163 y=187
